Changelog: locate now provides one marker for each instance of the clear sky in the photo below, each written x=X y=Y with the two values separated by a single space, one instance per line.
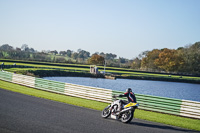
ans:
x=122 y=27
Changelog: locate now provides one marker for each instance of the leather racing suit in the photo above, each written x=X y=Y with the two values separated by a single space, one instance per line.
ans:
x=130 y=97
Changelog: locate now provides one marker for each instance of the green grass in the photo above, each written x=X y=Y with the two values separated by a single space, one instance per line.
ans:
x=168 y=119
x=32 y=62
x=46 y=66
x=140 y=114
x=51 y=96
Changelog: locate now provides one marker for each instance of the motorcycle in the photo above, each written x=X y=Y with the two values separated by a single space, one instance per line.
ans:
x=113 y=110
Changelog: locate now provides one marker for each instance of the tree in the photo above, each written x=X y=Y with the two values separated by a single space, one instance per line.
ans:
x=75 y=55
x=143 y=54
x=102 y=54
x=168 y=60
x=83 y=54
x=110 y=56
x=79 y=50
x=86 y=55
x=136 y=63
x=122 y=60
x=63 y=53
x=69 y=53
x=60 y=60
x=96 y=59
x=31 y=50
x=18 y=49
x=148 y=60
x=55 y=52
x=6 y=47
x=24 y=47
x=80 y=55
x=191 y=55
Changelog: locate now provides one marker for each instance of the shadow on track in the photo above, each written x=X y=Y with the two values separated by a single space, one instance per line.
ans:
x=162 y=127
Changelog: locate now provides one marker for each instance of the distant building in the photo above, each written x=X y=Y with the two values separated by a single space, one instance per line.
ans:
x=94 y=69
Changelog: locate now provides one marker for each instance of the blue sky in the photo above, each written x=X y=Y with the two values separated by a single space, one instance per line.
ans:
x=122 y=27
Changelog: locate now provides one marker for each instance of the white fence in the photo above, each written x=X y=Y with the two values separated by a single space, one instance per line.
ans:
x=98 y=94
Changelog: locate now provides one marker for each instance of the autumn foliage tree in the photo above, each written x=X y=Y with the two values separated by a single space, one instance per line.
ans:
x=96 y=59
x=148 y=61
x=168 y=60
x=182 y=60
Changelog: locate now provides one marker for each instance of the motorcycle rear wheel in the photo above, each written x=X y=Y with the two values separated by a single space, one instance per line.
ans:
x=127 y=116
x=106 y=112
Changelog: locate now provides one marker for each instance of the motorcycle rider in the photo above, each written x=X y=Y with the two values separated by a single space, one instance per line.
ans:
x=130 y=96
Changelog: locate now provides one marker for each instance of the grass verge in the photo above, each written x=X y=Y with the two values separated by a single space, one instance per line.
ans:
x=140 y=114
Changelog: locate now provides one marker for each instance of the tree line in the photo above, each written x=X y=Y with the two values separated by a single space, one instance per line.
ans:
x=184 y=60
x=68 y=56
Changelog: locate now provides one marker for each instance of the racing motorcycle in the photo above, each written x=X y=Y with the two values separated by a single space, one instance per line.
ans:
x=113 y=110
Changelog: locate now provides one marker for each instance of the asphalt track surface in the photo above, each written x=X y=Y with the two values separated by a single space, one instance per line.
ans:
x=27 y=114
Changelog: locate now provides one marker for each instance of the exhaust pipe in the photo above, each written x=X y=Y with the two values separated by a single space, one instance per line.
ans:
x=124 y=110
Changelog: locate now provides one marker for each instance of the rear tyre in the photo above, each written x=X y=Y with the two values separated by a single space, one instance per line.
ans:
x=106 y=112
x=127 y=116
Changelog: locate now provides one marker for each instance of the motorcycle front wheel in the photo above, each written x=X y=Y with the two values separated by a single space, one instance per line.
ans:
x=106 y=112
x=127 y=116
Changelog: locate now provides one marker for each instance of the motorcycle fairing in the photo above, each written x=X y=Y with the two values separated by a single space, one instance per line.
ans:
x=130 y=105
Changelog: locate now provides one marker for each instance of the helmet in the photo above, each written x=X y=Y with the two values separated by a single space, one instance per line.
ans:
x=129 y=90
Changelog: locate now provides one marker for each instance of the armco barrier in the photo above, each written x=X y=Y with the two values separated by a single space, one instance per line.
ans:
x=190 y=109
x=49 y=85
x=184 y=108
x=6 y=76
x=23 y=80
x=98 y=94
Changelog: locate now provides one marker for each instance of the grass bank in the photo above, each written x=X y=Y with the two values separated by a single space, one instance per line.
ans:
x=140 y=114
x=38 y=72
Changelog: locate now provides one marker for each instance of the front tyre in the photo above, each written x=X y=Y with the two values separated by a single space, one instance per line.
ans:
x=127 y=116
x=106 y=112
